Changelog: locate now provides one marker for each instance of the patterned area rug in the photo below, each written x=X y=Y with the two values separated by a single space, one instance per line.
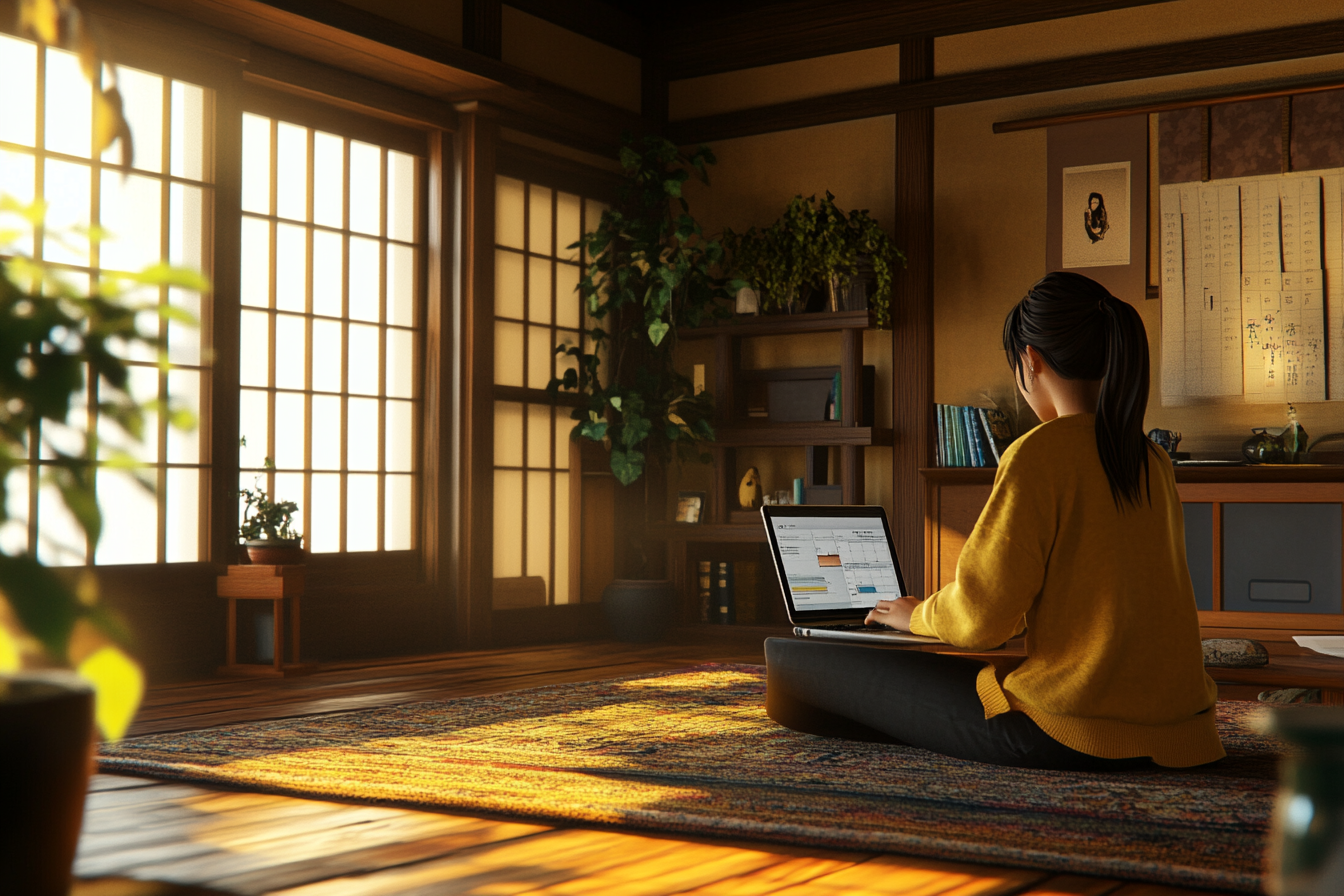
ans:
x=692 y=752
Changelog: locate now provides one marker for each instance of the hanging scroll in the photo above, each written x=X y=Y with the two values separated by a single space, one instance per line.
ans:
x=1252 y=286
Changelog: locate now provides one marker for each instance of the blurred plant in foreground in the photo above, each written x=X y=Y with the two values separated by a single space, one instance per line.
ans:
x=55 y=338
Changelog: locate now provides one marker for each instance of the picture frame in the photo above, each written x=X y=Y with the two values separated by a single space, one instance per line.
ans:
x=690 y=508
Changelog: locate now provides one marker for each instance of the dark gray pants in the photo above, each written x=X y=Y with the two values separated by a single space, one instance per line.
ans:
x=892 y=695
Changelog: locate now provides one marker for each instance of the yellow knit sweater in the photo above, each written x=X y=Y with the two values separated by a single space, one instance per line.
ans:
x=1113 y=666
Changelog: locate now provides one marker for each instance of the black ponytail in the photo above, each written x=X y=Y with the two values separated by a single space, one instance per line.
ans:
x=1085 y=333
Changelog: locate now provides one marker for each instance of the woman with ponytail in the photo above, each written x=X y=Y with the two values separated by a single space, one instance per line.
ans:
x=1080 y=548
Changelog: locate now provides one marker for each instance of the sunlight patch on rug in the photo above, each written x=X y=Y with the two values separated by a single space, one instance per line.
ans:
x=693 y=752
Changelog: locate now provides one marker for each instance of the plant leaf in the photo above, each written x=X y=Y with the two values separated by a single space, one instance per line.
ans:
x=657 y=330
x=627 y=465
x=118 y=686
x=44 y=606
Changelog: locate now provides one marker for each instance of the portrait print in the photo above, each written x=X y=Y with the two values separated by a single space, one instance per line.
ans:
x=1096 y=215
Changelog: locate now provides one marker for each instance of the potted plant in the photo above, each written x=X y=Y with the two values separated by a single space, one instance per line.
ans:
x=817 y=257
x=267 y=530
x=651 y=271
x=64 y=669
x=65 y=674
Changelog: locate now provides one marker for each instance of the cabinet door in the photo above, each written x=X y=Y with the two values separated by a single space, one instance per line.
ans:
x=1282 y=558
x=1199 y=551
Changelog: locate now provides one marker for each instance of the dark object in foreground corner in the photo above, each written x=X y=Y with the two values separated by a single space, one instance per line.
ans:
x=1234 y=653
x=639 y=609
x=46 y=741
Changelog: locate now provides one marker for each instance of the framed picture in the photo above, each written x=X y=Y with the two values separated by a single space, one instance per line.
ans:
x=1096 y=215
x=690 y=507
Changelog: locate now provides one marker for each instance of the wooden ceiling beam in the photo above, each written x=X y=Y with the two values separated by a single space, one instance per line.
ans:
x=802 y=29
x=1295 y=42
x=381 y=50
x=593 y=19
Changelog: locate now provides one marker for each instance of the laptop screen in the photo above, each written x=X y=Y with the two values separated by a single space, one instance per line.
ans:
x=834 y=561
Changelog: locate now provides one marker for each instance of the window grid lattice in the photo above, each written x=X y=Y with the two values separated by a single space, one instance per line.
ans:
x=161 y=209
x=331 y=332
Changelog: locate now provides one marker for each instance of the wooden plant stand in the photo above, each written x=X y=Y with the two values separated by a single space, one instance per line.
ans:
x=272 y=583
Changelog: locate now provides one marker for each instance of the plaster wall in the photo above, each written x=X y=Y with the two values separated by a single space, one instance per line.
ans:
x=989 y=246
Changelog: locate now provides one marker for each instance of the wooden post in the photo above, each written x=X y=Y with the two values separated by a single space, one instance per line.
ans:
x=912 y=316
x=474 y=151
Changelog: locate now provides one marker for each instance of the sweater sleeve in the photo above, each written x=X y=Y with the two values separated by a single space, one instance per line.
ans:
x=999 y=575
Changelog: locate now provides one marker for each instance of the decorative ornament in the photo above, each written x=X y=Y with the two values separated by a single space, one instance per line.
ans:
x=749 y=490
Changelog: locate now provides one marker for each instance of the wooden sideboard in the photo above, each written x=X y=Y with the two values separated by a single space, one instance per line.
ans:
x=1218 y=502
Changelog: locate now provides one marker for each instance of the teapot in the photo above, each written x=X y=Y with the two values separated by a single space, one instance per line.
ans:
x=1264 y=447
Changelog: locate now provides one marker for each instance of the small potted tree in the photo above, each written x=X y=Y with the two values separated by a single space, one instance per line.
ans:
x=651 y=271
x=267 y=530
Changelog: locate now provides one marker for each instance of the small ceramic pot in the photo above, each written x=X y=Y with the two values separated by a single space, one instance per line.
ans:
x=639 y=610
x=1263 y=447
x=285 y=552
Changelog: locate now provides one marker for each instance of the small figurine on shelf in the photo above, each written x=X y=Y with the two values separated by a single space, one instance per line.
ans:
x=1294 y=438
x=749 y=491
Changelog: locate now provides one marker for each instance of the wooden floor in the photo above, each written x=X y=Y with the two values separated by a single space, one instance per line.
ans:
x=147 y=838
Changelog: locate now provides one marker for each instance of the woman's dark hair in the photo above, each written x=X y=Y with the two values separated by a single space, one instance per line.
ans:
x=1085 y=333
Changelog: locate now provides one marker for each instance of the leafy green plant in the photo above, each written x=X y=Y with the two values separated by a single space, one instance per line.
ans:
x=50 y=333
x=264 y=519
x=651 y=271
x=814 y=244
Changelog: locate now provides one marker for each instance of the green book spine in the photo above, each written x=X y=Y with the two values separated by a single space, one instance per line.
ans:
x=958 y=423
x=951 y=436
x=973 y=432
x=941 y=450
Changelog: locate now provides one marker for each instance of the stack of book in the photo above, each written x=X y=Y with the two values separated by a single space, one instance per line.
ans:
x=727 y=591
x=971 y=437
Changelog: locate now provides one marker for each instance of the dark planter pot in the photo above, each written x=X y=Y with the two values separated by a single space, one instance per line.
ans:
x=46 y=756
x=264 y=552
x=639 y=610
x=1306 y=845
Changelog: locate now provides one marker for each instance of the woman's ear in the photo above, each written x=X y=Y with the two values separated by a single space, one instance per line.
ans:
x=1033 y=359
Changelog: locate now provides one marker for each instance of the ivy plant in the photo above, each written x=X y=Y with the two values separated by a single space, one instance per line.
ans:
x=651 y=271
x=814 y=245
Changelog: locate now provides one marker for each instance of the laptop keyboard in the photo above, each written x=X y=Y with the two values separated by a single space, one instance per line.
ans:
x=854 y=627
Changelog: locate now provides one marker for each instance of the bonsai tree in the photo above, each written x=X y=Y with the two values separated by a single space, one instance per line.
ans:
x=651 y=271
x=264 y=519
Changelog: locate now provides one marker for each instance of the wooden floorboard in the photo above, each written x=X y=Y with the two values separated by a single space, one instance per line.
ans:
x=148 y=838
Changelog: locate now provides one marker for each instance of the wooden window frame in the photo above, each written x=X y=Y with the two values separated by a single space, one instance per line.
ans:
x=353 y=566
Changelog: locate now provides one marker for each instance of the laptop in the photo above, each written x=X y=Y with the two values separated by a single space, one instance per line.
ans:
x=834 y=564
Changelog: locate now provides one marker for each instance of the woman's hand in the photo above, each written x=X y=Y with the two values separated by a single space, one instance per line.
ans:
x=893 y=613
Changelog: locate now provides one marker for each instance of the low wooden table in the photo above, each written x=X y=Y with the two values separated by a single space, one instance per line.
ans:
x=272 y=583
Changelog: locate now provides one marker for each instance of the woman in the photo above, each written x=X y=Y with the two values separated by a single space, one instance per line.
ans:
x=1080 y=546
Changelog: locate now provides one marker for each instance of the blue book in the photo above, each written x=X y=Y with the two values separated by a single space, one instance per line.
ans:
x=958 y=423
x=973 y=456
x=973 y=428
x=940 y=447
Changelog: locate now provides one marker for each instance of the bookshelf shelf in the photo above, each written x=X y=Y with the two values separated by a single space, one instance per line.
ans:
x=791 y=435
x=783 y=324
x=834 y=451
x=741 y=533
